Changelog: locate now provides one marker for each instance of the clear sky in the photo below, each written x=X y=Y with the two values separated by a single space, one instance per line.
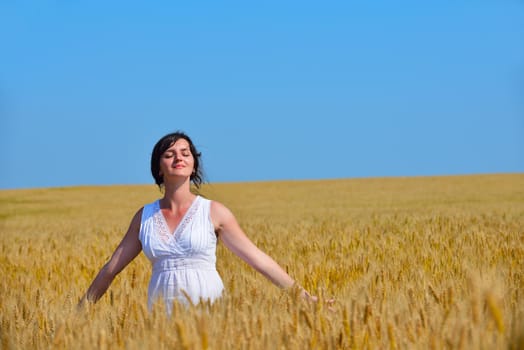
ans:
x=268 y=90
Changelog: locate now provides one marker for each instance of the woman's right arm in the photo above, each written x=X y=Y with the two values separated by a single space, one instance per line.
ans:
x=126 y=251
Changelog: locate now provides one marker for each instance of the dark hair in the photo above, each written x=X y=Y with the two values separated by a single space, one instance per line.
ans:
x=197 y=177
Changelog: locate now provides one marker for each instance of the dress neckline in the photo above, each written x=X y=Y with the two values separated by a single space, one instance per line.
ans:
x=183 y=222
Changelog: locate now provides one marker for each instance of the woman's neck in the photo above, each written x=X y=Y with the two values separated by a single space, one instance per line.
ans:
x=177 y=194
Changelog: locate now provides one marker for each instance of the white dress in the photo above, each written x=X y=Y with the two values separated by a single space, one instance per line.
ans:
x=183 y=260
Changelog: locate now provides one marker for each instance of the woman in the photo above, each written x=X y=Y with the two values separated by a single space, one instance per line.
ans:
x=179 y=232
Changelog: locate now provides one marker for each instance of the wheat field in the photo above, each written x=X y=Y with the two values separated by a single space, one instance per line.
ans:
x=413 y=263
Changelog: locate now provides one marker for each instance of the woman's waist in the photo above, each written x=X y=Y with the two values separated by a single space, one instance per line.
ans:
x=182 y=263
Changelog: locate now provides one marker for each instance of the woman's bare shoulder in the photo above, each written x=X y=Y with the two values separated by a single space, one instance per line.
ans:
x=137 y=218
x=220 y=214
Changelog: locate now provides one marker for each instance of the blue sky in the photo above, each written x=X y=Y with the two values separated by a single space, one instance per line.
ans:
x=268 y=91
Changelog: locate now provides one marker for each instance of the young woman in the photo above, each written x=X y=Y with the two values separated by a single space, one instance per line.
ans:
x=178 y=233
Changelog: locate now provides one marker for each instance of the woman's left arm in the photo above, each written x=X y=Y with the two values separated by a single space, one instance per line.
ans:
x=230 y=233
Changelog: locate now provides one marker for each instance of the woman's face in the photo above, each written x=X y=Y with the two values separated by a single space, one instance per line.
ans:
x=177 y=160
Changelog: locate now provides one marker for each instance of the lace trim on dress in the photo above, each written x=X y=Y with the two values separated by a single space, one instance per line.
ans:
x=188 y=217
x=161 y=226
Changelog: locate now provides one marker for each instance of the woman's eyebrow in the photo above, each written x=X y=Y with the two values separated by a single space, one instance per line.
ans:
x=173 y=150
